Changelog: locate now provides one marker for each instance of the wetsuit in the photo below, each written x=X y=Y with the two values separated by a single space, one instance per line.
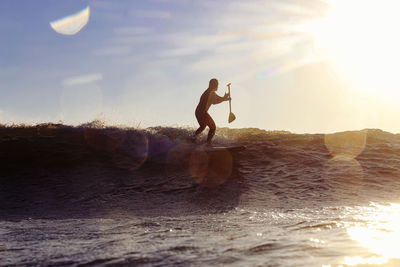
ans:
x=208 y=98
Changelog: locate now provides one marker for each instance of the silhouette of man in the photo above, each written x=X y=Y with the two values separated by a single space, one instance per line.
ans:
x=208 y=98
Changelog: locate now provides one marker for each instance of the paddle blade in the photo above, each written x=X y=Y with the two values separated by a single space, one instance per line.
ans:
x=232 y=117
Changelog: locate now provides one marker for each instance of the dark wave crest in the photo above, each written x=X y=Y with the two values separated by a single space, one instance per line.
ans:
x=54 y=170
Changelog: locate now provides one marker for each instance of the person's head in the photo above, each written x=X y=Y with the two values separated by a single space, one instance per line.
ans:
x=213 y=85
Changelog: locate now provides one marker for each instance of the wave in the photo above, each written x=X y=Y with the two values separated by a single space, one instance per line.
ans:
x=95 y=170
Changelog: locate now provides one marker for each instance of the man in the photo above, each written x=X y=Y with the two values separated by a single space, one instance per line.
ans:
x=208 y=98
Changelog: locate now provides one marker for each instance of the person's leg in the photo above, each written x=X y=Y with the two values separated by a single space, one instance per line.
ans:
x=211 y=125
x=199 y=130
x=202 y=122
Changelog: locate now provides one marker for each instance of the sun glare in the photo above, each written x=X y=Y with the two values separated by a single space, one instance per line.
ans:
x=379 y=233
x=360 y=37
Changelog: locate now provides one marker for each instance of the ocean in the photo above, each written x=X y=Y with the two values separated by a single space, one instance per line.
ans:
x=93 y=195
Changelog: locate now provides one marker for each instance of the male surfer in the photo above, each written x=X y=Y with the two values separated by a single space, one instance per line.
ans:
x=208 y=98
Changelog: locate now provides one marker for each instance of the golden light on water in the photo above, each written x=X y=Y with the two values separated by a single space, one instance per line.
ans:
x=361 y=37
x=379 y=233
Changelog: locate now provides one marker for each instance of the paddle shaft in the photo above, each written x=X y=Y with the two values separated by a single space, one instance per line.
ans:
x=229 y=93
x=232 y=116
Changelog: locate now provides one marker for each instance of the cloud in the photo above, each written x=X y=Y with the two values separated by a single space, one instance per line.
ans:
x=124 y=41
x=151 y=14
x=112 y=51
x=191 y=39
x=133 y=39
x=83 y=79
x=185 y=51
x=236 y=47
x=186 y=44
x=216 y=63
x=132 y=30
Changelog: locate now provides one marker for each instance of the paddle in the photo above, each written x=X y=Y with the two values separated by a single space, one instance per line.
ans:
x=232 y=116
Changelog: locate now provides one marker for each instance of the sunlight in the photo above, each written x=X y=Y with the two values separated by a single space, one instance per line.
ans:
x=380 y=234
x=360 y=37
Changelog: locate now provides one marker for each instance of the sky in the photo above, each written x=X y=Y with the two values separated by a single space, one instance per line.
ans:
x=305 y=66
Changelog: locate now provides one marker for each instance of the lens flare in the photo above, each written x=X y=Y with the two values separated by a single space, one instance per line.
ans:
x=198 y=165
x=343 y=168
x=72 y=24
x=179 y=153
x=211 y=169
x=177 y=158
x=346 y=144
x=342 y=174
x=104 y=139
x=132 y=153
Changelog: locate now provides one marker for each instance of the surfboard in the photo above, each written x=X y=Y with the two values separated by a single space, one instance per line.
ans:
x=223 y=148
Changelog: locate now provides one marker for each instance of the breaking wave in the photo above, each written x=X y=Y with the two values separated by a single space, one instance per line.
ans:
x=54 y=170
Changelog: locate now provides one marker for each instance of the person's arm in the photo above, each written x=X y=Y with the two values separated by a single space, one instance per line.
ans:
x=216 y=99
